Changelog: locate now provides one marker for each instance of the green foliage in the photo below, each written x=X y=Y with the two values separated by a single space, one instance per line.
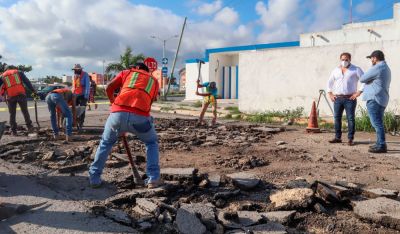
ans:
x=228 y=116
x=166 y=108
x=233 y=109
x=363 y=122
x=22 y=68
x=127 y=59
x=197 y=104
x=52 y=80
x=271 y=116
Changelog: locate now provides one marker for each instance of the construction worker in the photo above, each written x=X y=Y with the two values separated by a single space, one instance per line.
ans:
x=376 y=93
x=343 y=92
x=14 y=89
x=92 y=93
x=130 y=112
x=210 y=97
x=59 y=99
x=81 y=87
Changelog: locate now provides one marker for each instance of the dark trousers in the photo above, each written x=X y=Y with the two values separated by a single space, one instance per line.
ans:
x=12 y=109
x=81 y=101
x=376 y=114
x=341 y=104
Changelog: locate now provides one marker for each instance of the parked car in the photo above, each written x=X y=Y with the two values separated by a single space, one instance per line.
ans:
x=43 y=93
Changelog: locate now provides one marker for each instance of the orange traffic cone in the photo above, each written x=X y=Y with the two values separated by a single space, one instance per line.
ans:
x=313 y=120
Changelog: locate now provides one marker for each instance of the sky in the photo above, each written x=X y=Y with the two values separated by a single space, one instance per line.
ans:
x=54 y=35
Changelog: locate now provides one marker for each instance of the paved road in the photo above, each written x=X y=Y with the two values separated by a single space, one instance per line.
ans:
x=64 y=211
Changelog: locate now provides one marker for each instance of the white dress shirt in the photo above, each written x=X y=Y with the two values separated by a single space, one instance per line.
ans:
x=345 y=84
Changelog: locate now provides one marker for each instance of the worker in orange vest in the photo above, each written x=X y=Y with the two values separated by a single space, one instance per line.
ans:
x=130 y=112
x=13 y=82
x=59 y=99
x=80 y=87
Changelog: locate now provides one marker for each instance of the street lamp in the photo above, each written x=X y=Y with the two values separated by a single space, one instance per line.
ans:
x=164 y=41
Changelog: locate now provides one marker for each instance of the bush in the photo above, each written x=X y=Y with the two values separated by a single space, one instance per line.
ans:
x=197 y=104
x=270 y=116
x=363 y=122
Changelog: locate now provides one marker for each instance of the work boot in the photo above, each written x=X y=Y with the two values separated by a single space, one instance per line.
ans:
x=31 y=129
x=350 y=143
x=378 y=150
x=69 y=138
x=335 y=140
x=154 y=184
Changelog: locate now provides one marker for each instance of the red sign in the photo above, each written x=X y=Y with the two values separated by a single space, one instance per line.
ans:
x=151 y=63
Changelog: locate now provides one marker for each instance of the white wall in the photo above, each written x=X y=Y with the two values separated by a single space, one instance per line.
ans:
x=191 y=78
x=357 y=32
x=291 y=77
x=225 y=60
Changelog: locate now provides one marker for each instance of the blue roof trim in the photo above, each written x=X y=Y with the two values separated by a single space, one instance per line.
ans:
x=247 y=47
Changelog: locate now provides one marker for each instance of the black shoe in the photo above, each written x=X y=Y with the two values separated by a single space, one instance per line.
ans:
x=372 y=146
x=335 y=140
x=350 y=143
x=378 y=150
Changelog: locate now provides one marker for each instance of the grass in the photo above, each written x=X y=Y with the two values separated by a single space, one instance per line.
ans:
x=277 y=116
x=166 y=108
x=233 y=109
x=364 y=124
x=197 y=104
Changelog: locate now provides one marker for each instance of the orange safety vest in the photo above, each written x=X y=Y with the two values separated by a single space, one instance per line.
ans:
x=76 y=85
x=13 y=83
x=138 y=91
x=63 y=92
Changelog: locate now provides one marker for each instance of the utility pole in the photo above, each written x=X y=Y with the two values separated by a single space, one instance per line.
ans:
x=351 y=11
x=176 y=57
x=104 y=77
x=164 y=41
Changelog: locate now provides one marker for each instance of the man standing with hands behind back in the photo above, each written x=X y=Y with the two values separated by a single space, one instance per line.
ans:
x=342 y=90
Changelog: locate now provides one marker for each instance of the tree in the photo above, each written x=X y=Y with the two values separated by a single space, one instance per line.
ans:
x=52 y=80
x=127 y=59
x=22 y=68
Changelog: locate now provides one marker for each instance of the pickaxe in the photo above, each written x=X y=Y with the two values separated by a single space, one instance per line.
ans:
x=135 y=173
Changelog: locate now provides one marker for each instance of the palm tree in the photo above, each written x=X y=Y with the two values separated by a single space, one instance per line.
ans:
x=127 y=59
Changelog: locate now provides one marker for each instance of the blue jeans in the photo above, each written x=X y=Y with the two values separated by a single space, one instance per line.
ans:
x=117 y=124
x=376 y=113
x=53 y=100
x=340 y=105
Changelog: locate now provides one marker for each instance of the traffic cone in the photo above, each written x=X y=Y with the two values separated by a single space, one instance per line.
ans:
x=313 y=120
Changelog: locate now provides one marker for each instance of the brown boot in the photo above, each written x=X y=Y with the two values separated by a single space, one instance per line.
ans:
x=335 y=140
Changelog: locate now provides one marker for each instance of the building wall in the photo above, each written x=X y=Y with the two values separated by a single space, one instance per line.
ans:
x=292 y=77
x=182 y=80
x=97 y=78
x=66 y=79
x=382 y=30
x=191 y=78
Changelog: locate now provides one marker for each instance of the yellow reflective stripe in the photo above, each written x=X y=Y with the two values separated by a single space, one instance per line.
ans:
x=132 y=82
x=149 y=85
x=17 y=80
x=7 y=79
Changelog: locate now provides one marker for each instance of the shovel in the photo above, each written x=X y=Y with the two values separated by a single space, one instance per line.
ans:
x=2 y=128
x=35 y=99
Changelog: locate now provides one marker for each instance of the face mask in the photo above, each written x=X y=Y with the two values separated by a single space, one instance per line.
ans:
x=345 y=63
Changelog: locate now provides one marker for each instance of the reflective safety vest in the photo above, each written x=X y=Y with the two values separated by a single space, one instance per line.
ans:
x=76 y=84
x=13 y=83
x=138 y=91
x=65 y=93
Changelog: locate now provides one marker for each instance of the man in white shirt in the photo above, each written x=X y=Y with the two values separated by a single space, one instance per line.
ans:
x=342 y=90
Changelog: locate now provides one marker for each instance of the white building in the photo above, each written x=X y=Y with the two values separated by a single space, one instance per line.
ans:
x=290 y=74
x=66 y=78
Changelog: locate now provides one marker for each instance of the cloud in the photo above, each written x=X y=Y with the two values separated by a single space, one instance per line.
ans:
x=209 y=8
x=227 y=16
x=284 y=20
x=54 y=35
x=366 y=7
